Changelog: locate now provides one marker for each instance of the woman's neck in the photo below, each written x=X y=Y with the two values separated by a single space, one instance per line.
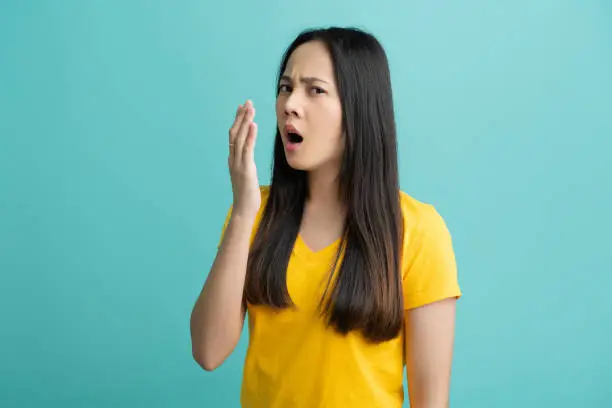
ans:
x=324 y=189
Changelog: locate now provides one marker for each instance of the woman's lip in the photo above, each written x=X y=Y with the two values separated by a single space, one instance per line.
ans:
x=290 y=146
x=289 y=128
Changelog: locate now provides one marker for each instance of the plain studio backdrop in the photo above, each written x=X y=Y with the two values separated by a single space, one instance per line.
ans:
x=114 y=186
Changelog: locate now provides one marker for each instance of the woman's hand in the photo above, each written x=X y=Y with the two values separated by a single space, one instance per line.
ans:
x=241 y=161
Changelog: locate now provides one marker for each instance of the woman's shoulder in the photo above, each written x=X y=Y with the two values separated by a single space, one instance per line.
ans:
x=429 y=267
x=420 y=216
x=265 y=191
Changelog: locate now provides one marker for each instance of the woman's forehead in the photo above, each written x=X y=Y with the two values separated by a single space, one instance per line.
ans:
x=310 y=60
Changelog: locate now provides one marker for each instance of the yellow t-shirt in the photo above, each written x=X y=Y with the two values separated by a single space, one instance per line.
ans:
x=294 y=360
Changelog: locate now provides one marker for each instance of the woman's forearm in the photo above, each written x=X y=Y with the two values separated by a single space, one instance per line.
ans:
x=218 y=315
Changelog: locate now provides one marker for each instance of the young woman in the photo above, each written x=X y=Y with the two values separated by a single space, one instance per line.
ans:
x=345 y=278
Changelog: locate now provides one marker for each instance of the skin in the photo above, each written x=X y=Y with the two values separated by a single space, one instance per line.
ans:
x=308 y=99
x=430 y=332
x=218 y=315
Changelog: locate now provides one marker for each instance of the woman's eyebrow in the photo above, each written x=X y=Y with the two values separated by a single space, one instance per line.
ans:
x=307 y=80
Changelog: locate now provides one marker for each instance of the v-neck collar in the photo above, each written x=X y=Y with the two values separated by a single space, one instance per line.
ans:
x=302 y=248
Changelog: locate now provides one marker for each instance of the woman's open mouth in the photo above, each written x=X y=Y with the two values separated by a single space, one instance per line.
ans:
x=293 y=139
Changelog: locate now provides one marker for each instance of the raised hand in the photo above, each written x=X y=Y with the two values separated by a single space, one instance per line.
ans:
x=241 y=161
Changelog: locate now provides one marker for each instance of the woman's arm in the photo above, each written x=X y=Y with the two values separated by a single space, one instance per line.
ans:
x=430 y=332
x=218 y=315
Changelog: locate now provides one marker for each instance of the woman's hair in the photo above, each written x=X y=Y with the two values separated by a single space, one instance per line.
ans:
x=365 y=292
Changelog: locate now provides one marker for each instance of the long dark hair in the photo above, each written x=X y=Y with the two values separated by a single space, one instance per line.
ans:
x=366 y=292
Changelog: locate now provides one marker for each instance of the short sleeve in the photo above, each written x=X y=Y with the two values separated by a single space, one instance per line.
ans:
x=430 y=268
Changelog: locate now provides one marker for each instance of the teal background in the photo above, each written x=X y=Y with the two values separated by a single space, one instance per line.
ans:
x=114 y=186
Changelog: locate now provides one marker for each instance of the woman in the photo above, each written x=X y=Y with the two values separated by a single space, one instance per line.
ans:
x=346 y=279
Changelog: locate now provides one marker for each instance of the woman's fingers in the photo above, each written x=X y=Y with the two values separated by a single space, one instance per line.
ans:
x=236 y=125
x=243 y=130
x=249 y=146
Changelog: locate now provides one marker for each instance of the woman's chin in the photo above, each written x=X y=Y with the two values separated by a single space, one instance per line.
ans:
x=296 y=164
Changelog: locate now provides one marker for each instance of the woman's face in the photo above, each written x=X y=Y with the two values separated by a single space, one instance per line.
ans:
x=308 y=104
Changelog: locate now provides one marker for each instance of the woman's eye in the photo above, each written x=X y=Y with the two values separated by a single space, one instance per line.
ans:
x=284 y=88
x=318 y=90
